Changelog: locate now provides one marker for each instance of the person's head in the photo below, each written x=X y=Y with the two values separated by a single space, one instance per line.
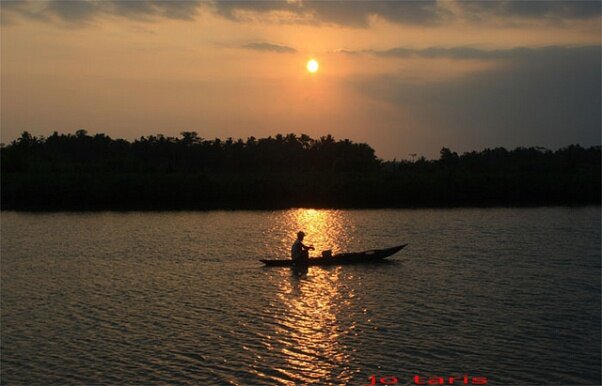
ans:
x=300 y=235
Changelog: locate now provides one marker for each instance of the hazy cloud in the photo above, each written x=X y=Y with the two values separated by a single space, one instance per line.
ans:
x=424 y=12
x=265 y=46
x=552 y=10
x=355 y=14
x=12 y=10
x=83 y=12
x=458 y=52
x=184 y=10
x=78 y=11
x=550 y=97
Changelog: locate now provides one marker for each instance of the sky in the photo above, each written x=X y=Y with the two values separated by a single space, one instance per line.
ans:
x=405 y=77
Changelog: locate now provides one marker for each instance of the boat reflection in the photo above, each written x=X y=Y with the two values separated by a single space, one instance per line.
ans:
x=310 y=330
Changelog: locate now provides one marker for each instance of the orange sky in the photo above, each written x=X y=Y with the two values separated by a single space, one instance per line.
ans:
x=404 y=77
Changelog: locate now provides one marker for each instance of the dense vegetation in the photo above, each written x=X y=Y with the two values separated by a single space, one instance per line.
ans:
x=83 y=172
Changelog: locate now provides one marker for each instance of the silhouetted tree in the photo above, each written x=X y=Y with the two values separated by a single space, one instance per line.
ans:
x=80 y=171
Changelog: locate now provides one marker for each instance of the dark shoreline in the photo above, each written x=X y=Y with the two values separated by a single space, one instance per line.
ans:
x=378 y=190
x=66 y=172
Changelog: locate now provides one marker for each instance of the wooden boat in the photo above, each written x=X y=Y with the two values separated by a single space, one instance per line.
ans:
x=371 y=256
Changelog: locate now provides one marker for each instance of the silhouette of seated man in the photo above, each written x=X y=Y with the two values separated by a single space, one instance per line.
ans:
x=300 y=251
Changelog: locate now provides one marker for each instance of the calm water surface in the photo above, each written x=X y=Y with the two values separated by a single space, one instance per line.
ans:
x=180 y=298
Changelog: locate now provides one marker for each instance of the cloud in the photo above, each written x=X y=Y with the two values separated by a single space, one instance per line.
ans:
x=551 y=10
x=183 y=10
x=12 y=10
x=353 y=14
x=84 y=12
x=548 y=96
x=78 y=11
x=453 y=52
x=264 y=46
x=358 y=14
x=424 y=12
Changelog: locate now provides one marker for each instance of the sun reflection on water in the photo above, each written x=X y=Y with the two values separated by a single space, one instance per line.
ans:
x=324 y=229
x=309 y=331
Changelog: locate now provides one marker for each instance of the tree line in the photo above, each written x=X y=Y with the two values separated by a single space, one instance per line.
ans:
x=95 y=172
x=187 y=153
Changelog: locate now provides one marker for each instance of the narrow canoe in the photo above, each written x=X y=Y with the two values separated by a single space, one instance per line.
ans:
x=371 y=256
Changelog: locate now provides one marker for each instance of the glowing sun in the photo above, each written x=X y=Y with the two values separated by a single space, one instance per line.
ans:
x=313 y=65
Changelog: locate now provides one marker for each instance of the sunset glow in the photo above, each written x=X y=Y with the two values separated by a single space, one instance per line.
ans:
x=404 y=77
x=296 y=192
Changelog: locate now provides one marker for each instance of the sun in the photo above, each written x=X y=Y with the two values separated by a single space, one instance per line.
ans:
x=313 y=65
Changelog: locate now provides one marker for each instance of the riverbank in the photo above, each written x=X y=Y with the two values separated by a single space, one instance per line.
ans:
x=193 y=191
x=83 y=172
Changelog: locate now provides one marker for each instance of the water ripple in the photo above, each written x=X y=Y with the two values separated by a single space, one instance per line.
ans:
x=179 y=298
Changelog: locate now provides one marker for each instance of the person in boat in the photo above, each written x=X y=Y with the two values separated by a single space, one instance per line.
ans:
x=300 y=251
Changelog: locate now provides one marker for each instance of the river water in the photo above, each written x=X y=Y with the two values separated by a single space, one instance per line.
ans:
x=512 y=295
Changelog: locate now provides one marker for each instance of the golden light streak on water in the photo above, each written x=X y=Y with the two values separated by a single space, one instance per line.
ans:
x=324 y=229
x=310 y=300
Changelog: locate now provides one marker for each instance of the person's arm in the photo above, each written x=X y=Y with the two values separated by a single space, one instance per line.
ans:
x=307 y=247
